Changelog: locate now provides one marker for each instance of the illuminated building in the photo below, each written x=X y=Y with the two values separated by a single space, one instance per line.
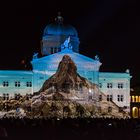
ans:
x=135 y=103
x=116 y=86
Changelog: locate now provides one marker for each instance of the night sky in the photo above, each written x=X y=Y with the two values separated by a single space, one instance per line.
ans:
x=109 y=28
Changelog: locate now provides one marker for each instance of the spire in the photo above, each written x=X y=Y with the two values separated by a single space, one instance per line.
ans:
x=59 y=18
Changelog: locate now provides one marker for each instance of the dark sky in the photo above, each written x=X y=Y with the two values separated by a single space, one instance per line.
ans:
x=109 y=28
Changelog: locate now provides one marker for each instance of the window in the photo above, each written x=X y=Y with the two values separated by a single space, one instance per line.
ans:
x=51 y=50
x=109 y=97
x=17 y=96
x=139 y=98
x=5 y=83
x=100 y=85
x=29 y=84
x=109 y=85
x=5 y=96
x=81 y=87
x=136 y=99
x=55 y=50
x=120 y=85
x=90 y=97
x=132 y=98
x=100 y=97
x=135 y=113
x=109 y=109
x=120 y=98
x=120 y=109
x=17 y=84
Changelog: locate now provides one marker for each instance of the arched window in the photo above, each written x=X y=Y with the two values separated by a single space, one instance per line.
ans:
x=135 y=112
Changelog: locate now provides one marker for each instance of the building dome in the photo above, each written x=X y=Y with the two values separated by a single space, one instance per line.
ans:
x=60 y=29
x=55 y=34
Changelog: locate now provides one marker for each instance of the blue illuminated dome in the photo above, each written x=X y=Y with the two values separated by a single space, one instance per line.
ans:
x=60 y=29
x=55 y=34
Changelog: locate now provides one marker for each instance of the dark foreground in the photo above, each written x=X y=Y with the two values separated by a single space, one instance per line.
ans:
x=69 y=129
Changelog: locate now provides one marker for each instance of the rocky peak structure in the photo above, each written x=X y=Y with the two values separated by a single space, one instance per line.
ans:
x=67 y=82
x=67 y=88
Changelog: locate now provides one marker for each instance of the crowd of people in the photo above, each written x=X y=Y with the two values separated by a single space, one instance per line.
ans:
x=69 y=129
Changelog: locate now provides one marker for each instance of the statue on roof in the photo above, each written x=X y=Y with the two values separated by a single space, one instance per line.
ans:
x=127 y=71
x=35 y=55
x=59 y=18
x=66 y=42
x=66 y=45
x=97 y=58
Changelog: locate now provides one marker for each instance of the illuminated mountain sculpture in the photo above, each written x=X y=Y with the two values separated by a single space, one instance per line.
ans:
x=68 y=82
x=67 y=88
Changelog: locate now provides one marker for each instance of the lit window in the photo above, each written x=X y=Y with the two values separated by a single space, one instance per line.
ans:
x=109 y=97
x=136 y=99
x=120 y=98
x=5 y=83
x=29 y=84
x=132 y=98
x=109 y=85
x=120 y=85
x=139 y=98
x=17 y=84
x=100 y=85
x=135 y=112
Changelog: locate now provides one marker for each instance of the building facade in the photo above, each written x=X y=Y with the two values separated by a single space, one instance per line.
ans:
x=55 y=38
x=135 y=103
